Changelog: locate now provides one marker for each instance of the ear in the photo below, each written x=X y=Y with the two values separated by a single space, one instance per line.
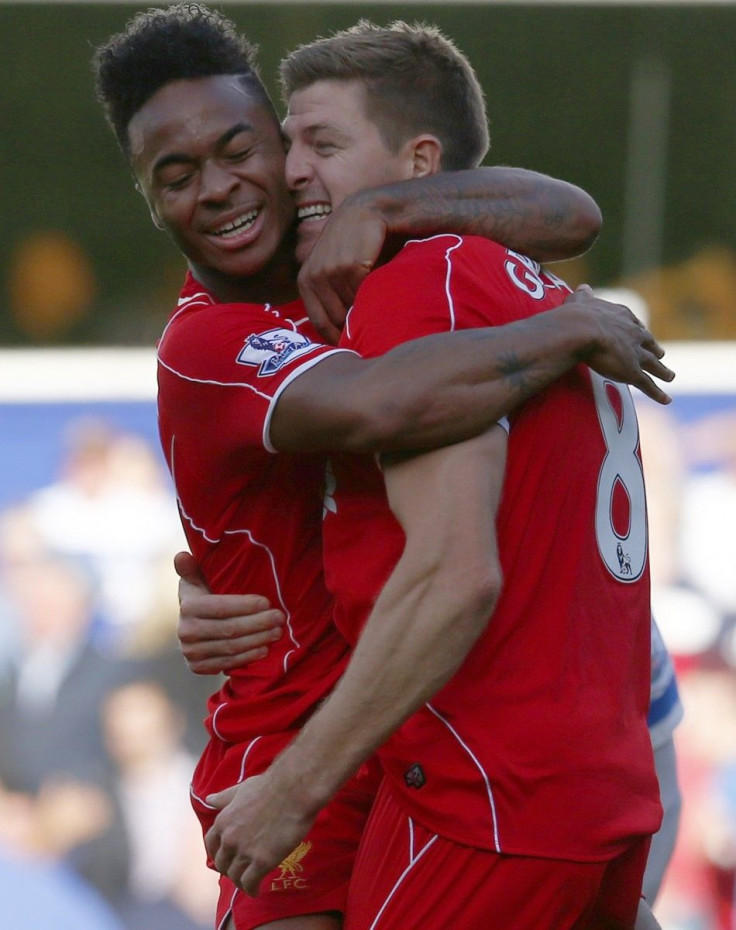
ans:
x=425 y=152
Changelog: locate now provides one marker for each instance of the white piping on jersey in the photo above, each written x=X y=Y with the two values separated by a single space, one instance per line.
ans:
x=289 y=379
x=186 y=303
x=284 y=608
x=346 y=324
x=236 y=384
x=199 y=297
x=448 y=274
x=412 y=862
x=413 y=858
x=202 y=532
x=250 y=745
x=486 y=781
x=200 y=800
x=229 y=912
x=458 y=240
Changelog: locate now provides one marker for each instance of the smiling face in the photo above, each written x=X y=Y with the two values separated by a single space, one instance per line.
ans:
x=209 y=159
x=334 y=150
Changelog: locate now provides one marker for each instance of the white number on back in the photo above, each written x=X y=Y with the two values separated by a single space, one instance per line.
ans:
x=621 y=512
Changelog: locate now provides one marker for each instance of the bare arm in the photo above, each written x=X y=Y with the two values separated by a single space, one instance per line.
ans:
x=448 y=387
x=426 y=620
x=542 y=217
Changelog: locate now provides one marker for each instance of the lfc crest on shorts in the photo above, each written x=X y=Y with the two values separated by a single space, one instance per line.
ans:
x=291 y=870
x=271 y=350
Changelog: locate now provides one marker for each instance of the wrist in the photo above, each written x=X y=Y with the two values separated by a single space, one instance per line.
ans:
x=299 y=783
x=581 y=327
x=382 y=205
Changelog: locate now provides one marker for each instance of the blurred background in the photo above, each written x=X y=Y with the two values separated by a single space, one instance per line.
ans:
x=100 y=722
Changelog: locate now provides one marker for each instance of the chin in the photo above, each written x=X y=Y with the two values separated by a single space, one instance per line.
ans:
x=305 y=243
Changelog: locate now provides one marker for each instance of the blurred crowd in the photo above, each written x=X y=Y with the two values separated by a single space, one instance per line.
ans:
x=100 y=721
x=691 y=488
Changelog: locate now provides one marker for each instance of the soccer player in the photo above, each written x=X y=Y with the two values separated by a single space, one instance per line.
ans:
x=238 y=363
x=520 y=791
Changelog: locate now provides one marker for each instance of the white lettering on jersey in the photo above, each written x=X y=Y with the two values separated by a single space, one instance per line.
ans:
x=528 y=276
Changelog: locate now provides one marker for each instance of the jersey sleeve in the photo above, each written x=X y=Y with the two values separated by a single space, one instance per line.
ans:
x=231 y=362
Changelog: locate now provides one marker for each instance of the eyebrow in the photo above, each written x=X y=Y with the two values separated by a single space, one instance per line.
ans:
x=179 y=158
x=313 y=129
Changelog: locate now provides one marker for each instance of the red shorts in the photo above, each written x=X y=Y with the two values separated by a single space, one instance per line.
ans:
x=407 y=878
x=312 y=883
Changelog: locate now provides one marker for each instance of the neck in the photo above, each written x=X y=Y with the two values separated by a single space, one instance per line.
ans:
x=274 y=284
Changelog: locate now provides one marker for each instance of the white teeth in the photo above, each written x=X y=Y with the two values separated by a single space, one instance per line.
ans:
x=314 y=211
x=237 y=226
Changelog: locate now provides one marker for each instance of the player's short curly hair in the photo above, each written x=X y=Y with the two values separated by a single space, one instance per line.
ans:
x=180 y=42
x=416 y=81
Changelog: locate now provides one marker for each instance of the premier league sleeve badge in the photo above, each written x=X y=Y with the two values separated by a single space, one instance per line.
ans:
x=271 y=350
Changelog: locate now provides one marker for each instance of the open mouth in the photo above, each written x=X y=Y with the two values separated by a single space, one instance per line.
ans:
x=237 y=226
x=314 y=211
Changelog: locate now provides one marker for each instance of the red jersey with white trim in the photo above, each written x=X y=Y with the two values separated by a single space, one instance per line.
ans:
x=252 y=518
x=539 y=744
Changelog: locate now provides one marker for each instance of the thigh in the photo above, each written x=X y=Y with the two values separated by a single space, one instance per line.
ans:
x=407 y=878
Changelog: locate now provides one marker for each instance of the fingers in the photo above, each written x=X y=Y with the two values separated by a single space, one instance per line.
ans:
x=652 y=365
x=221 y=799
x=230 y=861
x=251 y=878
x=649 y=387
x=320 y=317
x=188 y=570
x=217 y=656
x=328 y=295
x=211 y=645
x=252 y=611
x=655 y=367
x=347 y=250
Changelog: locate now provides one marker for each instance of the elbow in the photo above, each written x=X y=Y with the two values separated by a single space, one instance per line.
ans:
x=589 y=222
x=479 y=589
x=487 y=591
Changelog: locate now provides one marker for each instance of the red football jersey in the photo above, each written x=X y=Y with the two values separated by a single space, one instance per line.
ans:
x=539 y=745
x=252 y=518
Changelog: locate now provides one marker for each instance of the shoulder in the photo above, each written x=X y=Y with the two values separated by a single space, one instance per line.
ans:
x=440 y=250
x=425 y=266
x=200 y=333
